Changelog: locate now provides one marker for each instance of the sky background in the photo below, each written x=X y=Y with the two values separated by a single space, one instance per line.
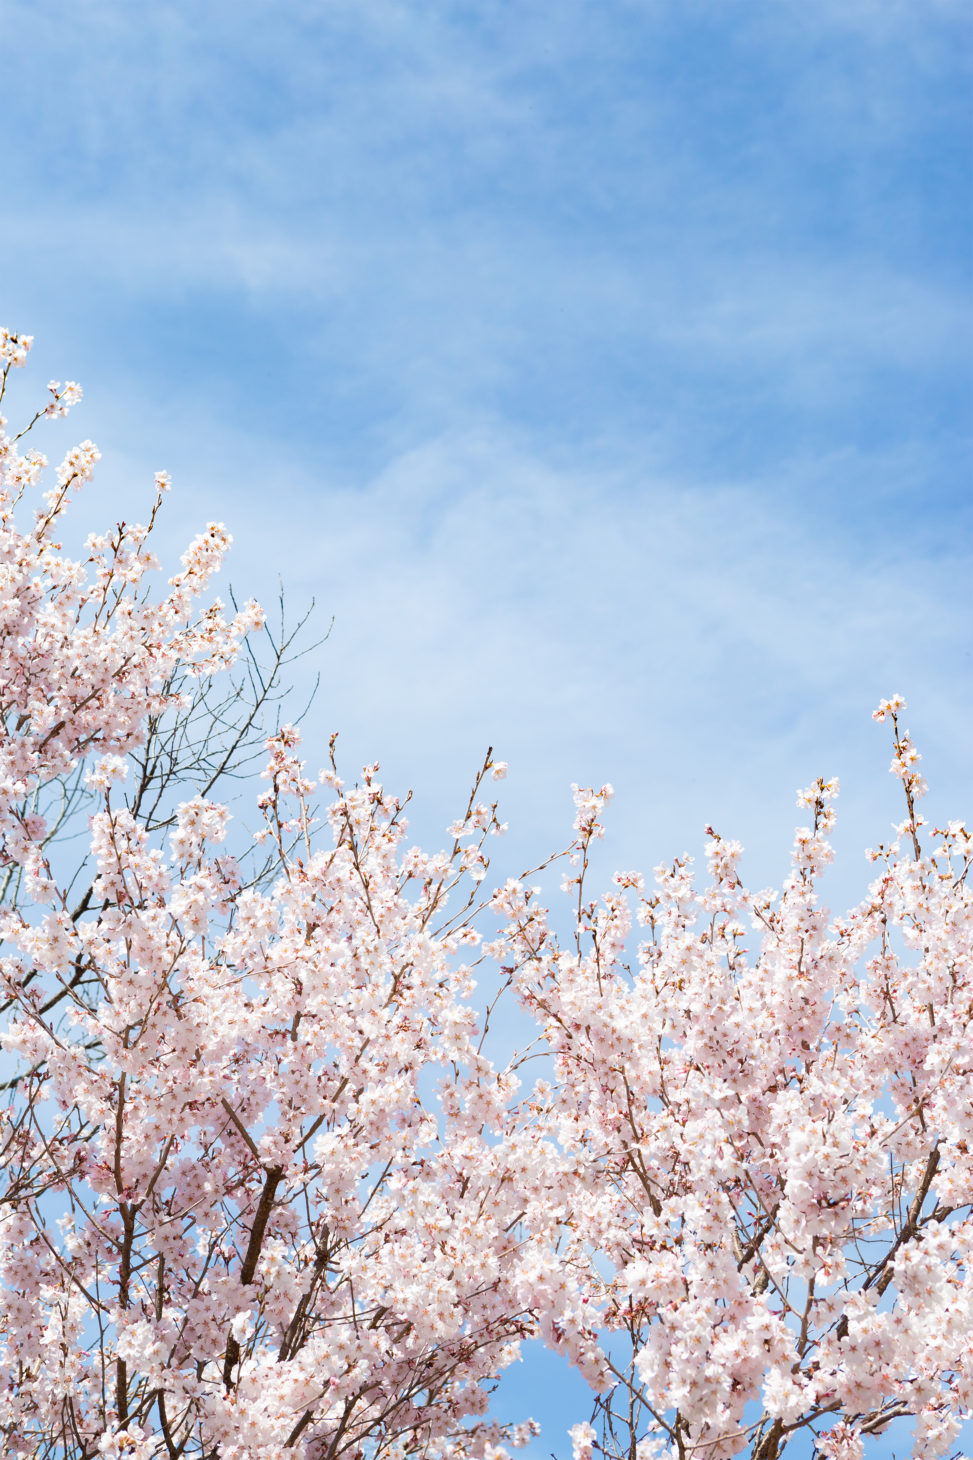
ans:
x=603 y=370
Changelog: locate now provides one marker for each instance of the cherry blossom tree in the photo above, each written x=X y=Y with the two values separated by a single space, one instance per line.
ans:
x=240 y=1216
x=767 y=1173
x=263 y=1192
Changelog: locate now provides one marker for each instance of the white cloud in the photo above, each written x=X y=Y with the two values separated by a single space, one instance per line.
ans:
x=708 y=648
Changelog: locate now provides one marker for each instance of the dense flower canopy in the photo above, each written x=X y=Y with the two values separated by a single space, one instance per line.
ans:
x=264 y=1191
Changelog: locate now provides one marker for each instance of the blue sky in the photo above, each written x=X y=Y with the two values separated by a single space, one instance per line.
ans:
x=603 y=369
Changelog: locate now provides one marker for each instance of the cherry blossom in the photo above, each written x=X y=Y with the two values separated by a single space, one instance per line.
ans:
x=264 y=1191
x=763 y=1119
x=258 y=1197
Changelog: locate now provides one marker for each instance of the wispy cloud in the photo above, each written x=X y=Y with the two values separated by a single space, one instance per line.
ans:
x=511 y=215
x=706 y=646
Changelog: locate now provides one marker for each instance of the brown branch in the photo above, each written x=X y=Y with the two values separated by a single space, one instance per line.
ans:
x=272 y=1180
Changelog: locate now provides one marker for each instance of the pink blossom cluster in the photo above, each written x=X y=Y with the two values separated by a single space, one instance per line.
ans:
x=765 y=1120
x=286 y=1235
x=264 y=1192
